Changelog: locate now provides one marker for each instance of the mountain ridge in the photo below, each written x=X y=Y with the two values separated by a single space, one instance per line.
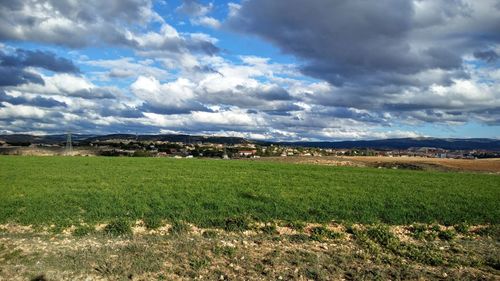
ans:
x=391 y=143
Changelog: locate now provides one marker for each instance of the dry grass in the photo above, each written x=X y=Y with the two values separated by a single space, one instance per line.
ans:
x=464 y=165
x=361 y=252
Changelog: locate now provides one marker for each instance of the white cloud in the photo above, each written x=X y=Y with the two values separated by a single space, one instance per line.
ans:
x=57 y=84
x=65 y=84
x=194 y=8
x=178 y=81
x=234 y=8
x=129 y=67
x=207 y=22
x=233 y=117
x=172 y=97
x=21 y=111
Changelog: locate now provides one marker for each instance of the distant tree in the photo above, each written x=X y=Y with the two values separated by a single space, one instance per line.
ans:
x=142 y=153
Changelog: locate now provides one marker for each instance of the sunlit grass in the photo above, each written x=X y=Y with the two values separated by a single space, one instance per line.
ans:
x=71 y=190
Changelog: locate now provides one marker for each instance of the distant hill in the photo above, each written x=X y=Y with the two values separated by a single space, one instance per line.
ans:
x=54 y=139
x=172 y=138
x=401 y=143
x=405 y=143
x=46 y=139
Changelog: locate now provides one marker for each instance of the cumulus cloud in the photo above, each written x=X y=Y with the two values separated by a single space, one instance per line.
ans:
x=128 y=67
x=206 y=21
x=46 y=60
x=360 y=69
x=11 y=76
x=404 y=58
x=173 y=97
x=73 y=24
x=65 y=84
x=194 y=8
x=345 y=42
x=14 y=67
x=487 y=55
x=92 y=23
x=37 y=101
x=198 y=13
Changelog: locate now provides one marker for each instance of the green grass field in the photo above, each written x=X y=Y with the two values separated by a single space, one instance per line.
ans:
x=70 y=190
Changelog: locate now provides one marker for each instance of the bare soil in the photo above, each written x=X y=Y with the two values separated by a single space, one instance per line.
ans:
x=413 y=163
x=358 y=252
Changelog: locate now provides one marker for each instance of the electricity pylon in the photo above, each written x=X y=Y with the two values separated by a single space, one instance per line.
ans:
x=69 y=144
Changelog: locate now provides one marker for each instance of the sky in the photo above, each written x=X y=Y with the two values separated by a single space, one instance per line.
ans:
x=289 y=70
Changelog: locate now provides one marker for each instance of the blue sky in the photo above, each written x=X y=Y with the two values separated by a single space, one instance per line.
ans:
x=277 y=70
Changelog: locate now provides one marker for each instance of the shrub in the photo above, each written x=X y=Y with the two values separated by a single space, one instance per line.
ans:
x=142 y=153
x=236 y=224
x=210 y=234
x=118 y=227
x=447 y=234
x=83 y=230
x=269 y=229
x=492 y=231
x=297 y=225
x=435 y=227
x=351 y=229
x=493 y=261
x=462 y=227
x=425 y=254
x=224 y=250
x=382 y=235
x=312 y=274
x=152 y=222
x=298 y=238
x=197 y=264
x=179 y=227
x=320 y=232
x=419 y=231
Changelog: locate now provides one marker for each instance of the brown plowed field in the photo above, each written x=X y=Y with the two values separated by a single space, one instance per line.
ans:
x=413 y=163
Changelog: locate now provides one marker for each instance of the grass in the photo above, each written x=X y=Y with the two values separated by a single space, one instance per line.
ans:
x=226 y=194
x=269 y=229
x=152 y=222
x=179 y=227
x=320 y=232
x=118 y=227
x=367 y=252
x=447 y=234
x=83 y=230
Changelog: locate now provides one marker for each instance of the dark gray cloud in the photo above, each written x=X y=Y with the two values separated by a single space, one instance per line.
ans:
x=359 y=41
x=92 y=23
x=126 y=112
x=173 y=108
x=193 y=8
x=337 y=39
x=36 y=101
x=244 y=96
x=377 y=63
x=13 y=66
x=13 y=76
x=488 y=55
x=24 y=58
x=94 y=93
x=202 y=46
x=349 y=113
x=399 y=58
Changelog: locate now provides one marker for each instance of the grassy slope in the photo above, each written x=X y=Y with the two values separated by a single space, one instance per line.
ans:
x=66 y=190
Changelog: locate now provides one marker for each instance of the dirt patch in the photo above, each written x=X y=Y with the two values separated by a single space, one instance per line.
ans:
x=360 y=252
x=474 y=165
x=411 y=163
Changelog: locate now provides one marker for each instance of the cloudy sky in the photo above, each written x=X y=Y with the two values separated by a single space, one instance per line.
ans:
x=278 y=70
